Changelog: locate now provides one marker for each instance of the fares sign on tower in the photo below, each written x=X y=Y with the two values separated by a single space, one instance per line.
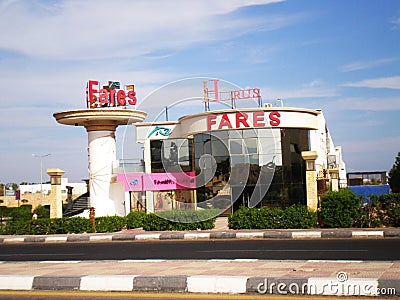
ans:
x=109 y=95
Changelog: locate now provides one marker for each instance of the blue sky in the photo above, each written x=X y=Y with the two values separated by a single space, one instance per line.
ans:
x=340 y=56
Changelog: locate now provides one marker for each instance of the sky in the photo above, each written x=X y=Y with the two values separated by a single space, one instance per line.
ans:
x=341 y=56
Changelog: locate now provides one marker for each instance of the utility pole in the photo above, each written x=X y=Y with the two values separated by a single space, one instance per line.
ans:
x=41 y=174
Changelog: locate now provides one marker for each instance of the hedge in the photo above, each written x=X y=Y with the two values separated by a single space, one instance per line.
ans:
x=339 y=209
x=110 y=224
x=345 y=209
x=24 y=212
x=295 y=217
x=187 y=220
x=383 y=210
x=202 y=219
x=135 y=219
x=48 y=226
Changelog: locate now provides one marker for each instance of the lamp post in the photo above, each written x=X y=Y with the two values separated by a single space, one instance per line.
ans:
x=41 y=174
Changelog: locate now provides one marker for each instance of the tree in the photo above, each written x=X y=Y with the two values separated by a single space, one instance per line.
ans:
x=394 y=175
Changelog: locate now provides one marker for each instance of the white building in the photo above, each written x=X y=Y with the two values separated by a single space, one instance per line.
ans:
x=78 y=188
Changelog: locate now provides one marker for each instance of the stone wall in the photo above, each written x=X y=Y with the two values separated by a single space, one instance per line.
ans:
x=32 y=198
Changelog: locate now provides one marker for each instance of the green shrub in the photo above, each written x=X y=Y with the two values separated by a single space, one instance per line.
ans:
x=22 y=213
x=56 y=226
x=393 y=214
x=155 y=223
x=241 y=219
x=296 y=216
x=256 y=218
x=3 y=211
x=78 y=225
x=42 y=212
x=370 y=215
x=391 y=205
x=17 y=227
x=135 y=219
x=299 y=216
x=110 y=224
x=39 y=226
x=339 y=209
x=187 y=220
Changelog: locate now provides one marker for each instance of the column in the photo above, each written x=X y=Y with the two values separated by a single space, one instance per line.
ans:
x=101 y=155
x=55 y=195
x=311 y=179
x=334 y=175
x=69 y=196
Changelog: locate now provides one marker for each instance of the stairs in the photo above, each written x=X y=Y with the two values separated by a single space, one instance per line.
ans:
x=78 y=205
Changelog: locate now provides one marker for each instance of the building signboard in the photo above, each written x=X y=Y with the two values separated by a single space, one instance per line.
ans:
x=136 y=182
x=250 y=93
x=248 y=118
x=109 y=95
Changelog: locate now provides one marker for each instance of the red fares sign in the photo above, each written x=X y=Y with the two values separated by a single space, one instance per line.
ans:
x=243 y=120
x=109 y=95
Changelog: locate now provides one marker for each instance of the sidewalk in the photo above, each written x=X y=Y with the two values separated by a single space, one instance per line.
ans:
x=209 y=276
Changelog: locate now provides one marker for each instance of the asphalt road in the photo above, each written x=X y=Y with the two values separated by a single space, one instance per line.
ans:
x=336 y=249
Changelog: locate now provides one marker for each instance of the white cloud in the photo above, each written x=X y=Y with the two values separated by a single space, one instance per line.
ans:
x=377 y=83
x=103 y=29
x=370 y=155
x=396 y=23
x=372 y=145
x=65 y=87
x=313 y=89
x=362 y=65
x=368 y=103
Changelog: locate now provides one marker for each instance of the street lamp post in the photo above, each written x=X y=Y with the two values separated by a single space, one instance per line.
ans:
x=41 y=174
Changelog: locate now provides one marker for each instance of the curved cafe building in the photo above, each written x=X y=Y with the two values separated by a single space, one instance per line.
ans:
x=253 y=157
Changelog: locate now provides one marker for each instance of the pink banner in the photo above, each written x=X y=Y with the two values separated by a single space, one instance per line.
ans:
x=137 y=182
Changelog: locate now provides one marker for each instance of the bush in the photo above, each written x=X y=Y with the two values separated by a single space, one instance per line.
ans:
x=391 y=203
x=295 y=216
x=299 y=216
x=42 y=212
x=78 y=225
x=241 y=219
x=17 y=227
x=339 y=209
x=110 y=224
x=383 y=211
x=48 y=226
x=155 y=223
x=135 y=219
x=188 y=220
x=22 y=213
x=256 y=218
x=39 y=226
x=370 y=215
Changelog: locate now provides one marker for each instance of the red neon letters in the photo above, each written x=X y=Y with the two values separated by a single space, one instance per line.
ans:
x=109 y=97
x=243 y=120
x=234 y=95
x=246 y=94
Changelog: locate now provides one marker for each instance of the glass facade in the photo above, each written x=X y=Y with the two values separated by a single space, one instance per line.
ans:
x=170 y=156
x=249 y=167
x=289 y=183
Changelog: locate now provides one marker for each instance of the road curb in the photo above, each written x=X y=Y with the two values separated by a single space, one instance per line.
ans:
x=207 y=284
x=248 y=234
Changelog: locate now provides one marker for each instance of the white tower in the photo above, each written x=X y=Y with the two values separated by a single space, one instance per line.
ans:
x=100 y=124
